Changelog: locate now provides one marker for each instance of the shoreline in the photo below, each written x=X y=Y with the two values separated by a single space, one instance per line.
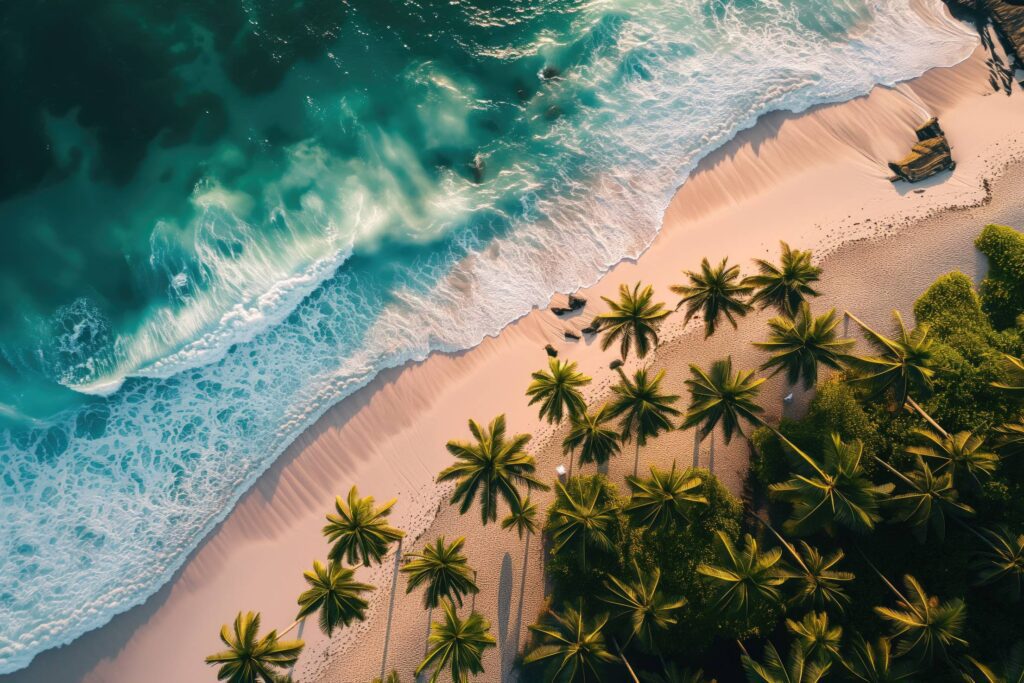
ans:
x=279 y=518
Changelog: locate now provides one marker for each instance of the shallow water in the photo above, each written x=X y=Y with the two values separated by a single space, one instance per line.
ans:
x=220 y=218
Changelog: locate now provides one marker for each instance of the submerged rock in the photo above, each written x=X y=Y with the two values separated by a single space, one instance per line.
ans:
x=929 y=156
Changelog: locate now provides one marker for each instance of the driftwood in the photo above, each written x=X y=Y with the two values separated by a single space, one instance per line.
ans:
x=929 y=156
x=1009 y=17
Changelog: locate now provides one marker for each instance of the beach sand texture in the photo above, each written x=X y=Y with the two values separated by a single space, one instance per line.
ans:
x=817 y=180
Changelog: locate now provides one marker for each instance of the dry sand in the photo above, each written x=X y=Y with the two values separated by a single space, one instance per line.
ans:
x=817 y=180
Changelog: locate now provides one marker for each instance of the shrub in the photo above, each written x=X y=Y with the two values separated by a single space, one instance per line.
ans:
x=1002 y=291
x=951 y=306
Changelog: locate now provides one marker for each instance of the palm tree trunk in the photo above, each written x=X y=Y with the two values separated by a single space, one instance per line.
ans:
x=572 y=453
x=288 y=630
x=928 y=418
x=632 y=674
x=472 y=603
x=391 y=609
x=636 y=460
x=696 y=447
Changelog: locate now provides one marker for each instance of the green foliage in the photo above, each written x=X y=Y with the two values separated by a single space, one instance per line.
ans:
x=249 y=658
x=359 y=530
x=1002 y=290
x=457 y=645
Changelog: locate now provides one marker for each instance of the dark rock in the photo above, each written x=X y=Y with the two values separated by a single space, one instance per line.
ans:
x=553 y=112
x=615 y=364
x=929 y=156
x=593 y=328
x=550 y=72
x=1009 y=18
x=558 y=310
x=569 y=334
x=477 y=168
x=552 y=351
x=576 y=302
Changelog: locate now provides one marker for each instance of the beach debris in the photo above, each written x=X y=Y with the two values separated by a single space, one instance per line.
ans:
x=560 y=471
x=552 y=351
x=930 y=155
x=615 y=364
x=570 y=335
x=575 y=304
x=593 y=328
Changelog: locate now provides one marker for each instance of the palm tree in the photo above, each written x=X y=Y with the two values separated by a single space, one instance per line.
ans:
x=457 y=645
x=1001 y=561
x=1010 y=670
x=836 y=490
x=799 y=668
x=931 y=497
x=572 y=646
x=715 y=292
x=1009 y=438
x=558 y=391
x=492 y=468
x=923 y=625
x=360 y=531
x=640 y=602
x=664 y=497
x=817 y=637
x=819 y=583
x=1015 y=369
x=901 y=366
x=633 y=319
x=523 y=518
x=581 y=515
x=744 y=577
x=444 y=570
x=392 y=677
x=334 y=592
x=592 y=435
x=722 y=396
x=802 y=345
x=785 y=286
x=673 y=674
x=961 y=453
x=249 y=658
x=874 y=662
x=644 y=409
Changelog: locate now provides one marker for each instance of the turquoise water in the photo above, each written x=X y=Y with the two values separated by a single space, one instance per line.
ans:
x=222 y=217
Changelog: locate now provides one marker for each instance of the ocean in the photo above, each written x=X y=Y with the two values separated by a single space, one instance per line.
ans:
x=221 y=217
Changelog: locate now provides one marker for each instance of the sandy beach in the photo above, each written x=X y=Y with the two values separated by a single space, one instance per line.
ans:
x=816 y=180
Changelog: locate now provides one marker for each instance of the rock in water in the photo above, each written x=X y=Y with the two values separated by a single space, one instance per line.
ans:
x=552 y=351
x=576 y=302
x=929 y=156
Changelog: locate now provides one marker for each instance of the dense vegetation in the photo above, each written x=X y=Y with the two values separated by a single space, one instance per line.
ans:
x=881 y=538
